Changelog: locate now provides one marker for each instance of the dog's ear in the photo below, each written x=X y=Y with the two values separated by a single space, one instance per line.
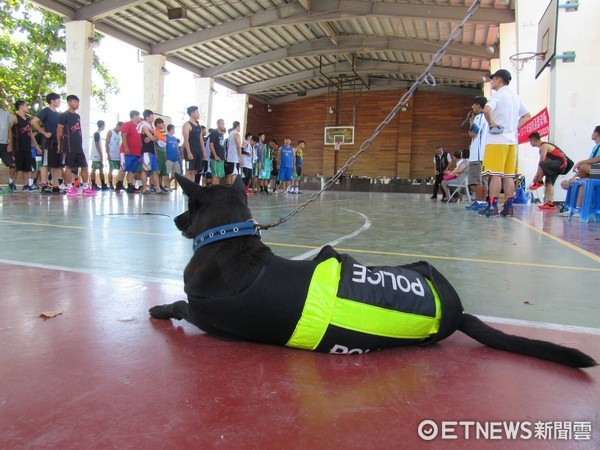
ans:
x=191 y=189
x=239 y=185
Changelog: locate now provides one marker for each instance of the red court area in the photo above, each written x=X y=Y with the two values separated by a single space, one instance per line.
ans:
x=104 y=375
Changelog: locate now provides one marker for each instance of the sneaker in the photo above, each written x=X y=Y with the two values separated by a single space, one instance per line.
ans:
x=565 y=213
x=34 y=188
x=164 y=190
x=535 y=185
x=473 y=206
x=489 y=211
x=12 y=188
x=444 y=200
x=63 y=187
x=161 y=192
x=112 y=188
x=132 y=190
x=548 y=206
x=104 y=188
x=298 y=191
x=433 y=197
x=72 y=191
x=26 y=188
x=95 y=187
x=56 y=190
x=88 y=191
x=507 y=211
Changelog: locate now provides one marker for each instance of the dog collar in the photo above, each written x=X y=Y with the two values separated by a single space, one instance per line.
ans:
x=230 y=231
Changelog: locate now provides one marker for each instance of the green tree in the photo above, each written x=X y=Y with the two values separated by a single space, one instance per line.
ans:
x=31 y=42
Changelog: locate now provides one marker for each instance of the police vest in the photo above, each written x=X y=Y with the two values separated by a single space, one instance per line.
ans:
x=335 y=304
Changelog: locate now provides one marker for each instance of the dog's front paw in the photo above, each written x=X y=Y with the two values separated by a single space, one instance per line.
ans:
x=163 y=312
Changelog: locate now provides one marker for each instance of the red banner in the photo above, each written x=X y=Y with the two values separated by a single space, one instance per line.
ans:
x=539 y=123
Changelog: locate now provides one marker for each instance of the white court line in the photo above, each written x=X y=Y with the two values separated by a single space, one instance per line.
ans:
x=179 y=283
x=541 y=325
x=95 y=272
x=314 y=251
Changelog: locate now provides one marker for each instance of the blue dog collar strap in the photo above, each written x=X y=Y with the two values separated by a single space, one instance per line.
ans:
x=230 y=231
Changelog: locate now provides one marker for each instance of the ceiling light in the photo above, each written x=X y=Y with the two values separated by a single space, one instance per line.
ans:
x=491 y=49
x=250 y=106
x=269 y=109
x=165 y=71
x=177 y=13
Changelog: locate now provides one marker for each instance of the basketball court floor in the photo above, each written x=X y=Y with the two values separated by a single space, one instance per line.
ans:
x=102 y=374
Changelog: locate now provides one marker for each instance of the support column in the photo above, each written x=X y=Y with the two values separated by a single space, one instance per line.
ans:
x=79 y=72
x=239 y=110
x=404 y=151
x=203 y=100
x=154 y=82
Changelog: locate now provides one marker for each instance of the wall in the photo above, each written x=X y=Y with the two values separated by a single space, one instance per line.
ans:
x=404 y=149
x=568 y=89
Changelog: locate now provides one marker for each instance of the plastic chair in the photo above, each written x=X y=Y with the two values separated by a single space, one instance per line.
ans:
x=591 y=201
x=573 y=195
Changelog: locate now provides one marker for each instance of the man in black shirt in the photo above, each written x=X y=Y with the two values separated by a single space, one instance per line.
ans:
x=70 y=142
x=441 y=159
x=46 y=123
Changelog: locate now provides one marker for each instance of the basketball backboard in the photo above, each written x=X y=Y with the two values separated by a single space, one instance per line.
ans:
x=546 y=38
x=342 y=135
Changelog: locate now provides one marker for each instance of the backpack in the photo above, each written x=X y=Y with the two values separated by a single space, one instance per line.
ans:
x=570 y=162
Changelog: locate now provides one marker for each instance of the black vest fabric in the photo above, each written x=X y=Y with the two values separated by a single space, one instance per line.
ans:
x=269 y=310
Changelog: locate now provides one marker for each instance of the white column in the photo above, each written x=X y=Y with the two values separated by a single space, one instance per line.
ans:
x=154 y=82
x=239 y=110
x=79 y=72
x=203 y=100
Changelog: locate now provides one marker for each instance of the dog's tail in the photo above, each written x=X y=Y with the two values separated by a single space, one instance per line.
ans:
x=481 y=332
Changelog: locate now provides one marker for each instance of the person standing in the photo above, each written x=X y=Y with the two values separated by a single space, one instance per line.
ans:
x=248 y=153
x=21 y=145
x=217 y=152
x=46 y=123
x=97 y=159
x=234 y=153
x=131 y=147
x=441 y=159
x=478 y=130
x=113 y=155
x=504 y=113
x=193 y=144
x=148 y=154
x=295 y=189
x=286 y=164
x=70 y=142
x=6 y=153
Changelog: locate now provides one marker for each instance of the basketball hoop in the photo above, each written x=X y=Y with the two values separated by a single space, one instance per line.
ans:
x=337 y=145
x=519 y=60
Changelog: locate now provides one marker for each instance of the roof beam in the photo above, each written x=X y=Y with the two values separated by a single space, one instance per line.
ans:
x=350 y=44
x=326 y=10
x=56 y=7
x=269 y=17
x=103 y=8
x=363 y=67
x=381 y=85
x=105 y=28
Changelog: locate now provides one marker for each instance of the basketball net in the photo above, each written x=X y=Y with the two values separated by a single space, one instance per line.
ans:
x=519 y=60
x=337 y=145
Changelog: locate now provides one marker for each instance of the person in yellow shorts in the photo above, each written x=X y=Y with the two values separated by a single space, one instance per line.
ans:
x=505 y=113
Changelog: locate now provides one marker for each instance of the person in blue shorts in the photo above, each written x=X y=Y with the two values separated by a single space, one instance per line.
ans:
x=286 y=164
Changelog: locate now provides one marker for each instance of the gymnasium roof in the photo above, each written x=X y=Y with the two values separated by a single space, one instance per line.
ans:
x=279 y=50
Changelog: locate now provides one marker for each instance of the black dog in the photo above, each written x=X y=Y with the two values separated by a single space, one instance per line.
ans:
x=239 y=290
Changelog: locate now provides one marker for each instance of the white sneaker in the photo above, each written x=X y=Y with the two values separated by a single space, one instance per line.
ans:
x=63 y=187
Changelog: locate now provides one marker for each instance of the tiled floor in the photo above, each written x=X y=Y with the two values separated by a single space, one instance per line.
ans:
x=103 y=375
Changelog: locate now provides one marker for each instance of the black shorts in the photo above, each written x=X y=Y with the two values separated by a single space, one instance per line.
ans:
x=51 y=157
x=197 y=162
x=552 y=168
x=298 y=171
x=230 y=167
x=75 y=159
x=7 y=158
x=247 y=175
x=23 y=161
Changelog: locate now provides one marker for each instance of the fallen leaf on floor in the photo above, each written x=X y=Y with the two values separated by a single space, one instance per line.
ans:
x=527 y=302
x=50 y=314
